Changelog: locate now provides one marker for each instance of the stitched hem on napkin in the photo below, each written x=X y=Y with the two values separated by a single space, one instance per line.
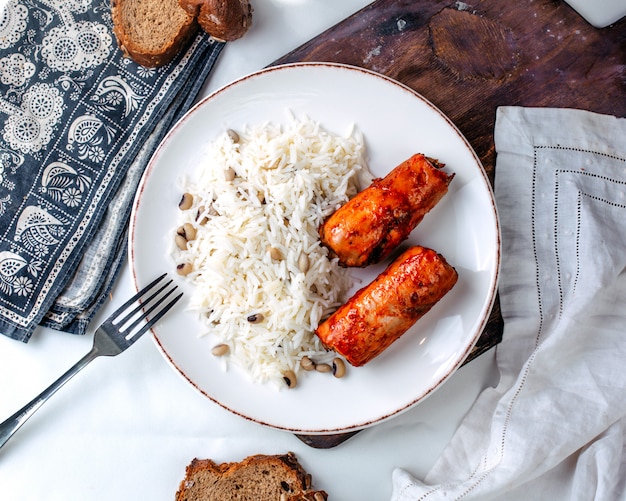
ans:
x=560 y=192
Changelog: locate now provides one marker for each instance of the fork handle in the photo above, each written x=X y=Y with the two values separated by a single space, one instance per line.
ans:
x=13 y=423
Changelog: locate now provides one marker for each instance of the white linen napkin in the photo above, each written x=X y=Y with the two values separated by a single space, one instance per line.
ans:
x=553 y=428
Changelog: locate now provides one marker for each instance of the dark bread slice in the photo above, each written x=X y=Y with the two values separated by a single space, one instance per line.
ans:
x=258 y=477
x=224 y=20
x=151 y=32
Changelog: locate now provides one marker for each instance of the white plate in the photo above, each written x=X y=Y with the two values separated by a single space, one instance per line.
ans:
x=396 y=122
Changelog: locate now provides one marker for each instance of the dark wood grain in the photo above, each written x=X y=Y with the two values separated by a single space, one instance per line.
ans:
x=470 y=58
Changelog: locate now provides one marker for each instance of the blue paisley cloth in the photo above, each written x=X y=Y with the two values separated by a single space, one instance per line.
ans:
x=78 y=124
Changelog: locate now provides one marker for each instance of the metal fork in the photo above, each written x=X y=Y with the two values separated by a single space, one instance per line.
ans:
x=116 y=334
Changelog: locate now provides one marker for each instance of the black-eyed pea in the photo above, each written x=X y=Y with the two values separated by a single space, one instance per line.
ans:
x=307 y=364
x=339 y=368
x=201 y=219
x=289 y=377
x=189 y=231
x=275 y=253
x=186 y=201
x=229 y=174
x=303 y=262
x=234 y=137
x=219 y=350
x=181 y=241
x=184 y=269
x=255 y=318
x=323 y=368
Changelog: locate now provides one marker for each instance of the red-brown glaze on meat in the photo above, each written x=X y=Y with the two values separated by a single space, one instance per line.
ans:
x=366 y=229
x=378 y=314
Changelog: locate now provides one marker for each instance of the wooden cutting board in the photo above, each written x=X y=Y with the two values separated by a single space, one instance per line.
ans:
x=470 y=58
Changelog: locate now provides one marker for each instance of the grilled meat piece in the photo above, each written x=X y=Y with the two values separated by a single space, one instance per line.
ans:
x=370 y=226
x=378 y=314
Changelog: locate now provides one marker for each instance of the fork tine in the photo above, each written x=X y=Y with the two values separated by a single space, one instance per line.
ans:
x=122 y=308
x=158 y=316
x=146 y=314
x=142 y=304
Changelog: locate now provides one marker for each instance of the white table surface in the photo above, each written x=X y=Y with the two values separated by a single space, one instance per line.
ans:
x=126 y=427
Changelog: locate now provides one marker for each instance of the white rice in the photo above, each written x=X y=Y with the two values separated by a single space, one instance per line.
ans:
x=288 y=179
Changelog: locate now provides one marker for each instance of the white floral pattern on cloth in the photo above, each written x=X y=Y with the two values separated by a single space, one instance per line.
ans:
x=74 y=115
x=29 y=128
x=77 y=46
x=12 y=23
x=15 y=70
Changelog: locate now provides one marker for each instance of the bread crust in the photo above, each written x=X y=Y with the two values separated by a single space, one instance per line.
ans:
x=255 y=477
x=224 y=20
x=136 y=50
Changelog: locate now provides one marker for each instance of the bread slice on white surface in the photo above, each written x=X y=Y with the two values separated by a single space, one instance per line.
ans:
x=258 y=477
